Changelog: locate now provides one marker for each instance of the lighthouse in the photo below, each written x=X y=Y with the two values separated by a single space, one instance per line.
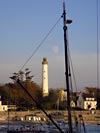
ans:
x=45 y=77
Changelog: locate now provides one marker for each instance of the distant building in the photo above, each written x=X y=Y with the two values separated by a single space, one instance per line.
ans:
x=72 y=103
x=45 y=77
x=63 y=95
x=4 y=107
x=86 y=101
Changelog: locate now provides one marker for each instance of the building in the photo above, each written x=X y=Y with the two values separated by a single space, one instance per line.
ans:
x=63 y=95
x=4 y=107
x=45 y=77
x=72 y=104
x=86 y=101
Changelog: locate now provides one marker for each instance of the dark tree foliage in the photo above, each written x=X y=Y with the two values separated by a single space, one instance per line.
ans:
x=14 y=94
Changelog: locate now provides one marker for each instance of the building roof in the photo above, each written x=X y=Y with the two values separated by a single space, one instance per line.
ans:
x=87 y=96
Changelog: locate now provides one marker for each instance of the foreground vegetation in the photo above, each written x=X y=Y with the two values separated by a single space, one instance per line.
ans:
x=12 y=93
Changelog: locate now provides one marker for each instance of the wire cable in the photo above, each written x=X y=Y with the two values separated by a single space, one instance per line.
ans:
x=97 y=49
x=36 y=49
x=71 y=65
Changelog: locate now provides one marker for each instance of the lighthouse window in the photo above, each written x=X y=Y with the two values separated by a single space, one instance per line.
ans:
x=44 y=71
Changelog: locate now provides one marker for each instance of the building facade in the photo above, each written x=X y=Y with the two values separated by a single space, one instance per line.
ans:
x=3 y=107
x=86 y=101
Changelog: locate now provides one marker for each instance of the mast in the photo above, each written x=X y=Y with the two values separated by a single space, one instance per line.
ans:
x=67 y=66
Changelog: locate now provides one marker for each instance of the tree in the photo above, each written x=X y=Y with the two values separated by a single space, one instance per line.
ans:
x=27 y=75
x=21 y=75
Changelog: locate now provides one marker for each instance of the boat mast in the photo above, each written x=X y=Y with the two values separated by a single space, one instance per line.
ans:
x=67 y=66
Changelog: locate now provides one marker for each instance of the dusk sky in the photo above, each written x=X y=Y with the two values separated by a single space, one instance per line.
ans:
x=25 y=23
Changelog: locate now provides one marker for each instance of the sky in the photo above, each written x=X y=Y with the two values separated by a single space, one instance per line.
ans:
x=24 y=24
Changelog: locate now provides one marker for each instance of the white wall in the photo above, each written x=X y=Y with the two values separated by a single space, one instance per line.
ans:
x=92 y=103
x=80 y=102
x=3 y=107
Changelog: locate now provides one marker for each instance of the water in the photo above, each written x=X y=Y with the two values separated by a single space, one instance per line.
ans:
x=90 y=128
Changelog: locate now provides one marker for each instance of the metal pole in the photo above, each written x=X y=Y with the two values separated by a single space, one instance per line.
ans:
x=66 y=67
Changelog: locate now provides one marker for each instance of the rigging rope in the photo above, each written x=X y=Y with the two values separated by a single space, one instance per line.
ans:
x=71 y=65
x=36 y=49
x=97 y=49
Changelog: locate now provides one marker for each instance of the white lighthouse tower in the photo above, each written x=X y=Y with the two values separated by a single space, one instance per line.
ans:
x=45 y=77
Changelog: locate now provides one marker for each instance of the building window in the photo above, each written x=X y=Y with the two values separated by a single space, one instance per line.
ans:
x=87 y=99
x=92 y=99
